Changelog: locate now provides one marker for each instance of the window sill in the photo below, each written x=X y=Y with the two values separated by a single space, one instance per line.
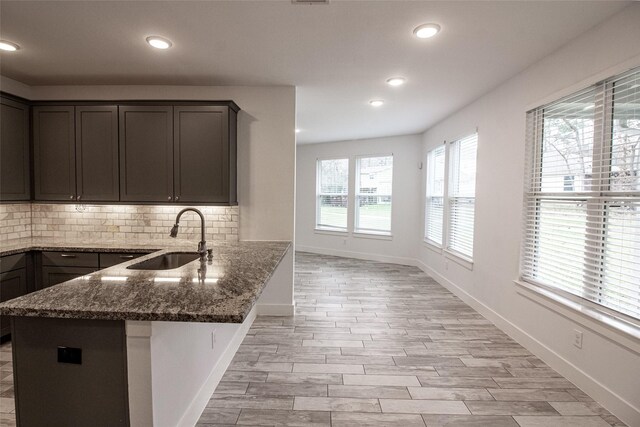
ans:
x=331 y=231
x=459 y=259
x=432 y=246
x=627 y=333
x=373 y=235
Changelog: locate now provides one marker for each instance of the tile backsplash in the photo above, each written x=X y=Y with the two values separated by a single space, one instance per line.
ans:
x=67 y=221
x=15 y=221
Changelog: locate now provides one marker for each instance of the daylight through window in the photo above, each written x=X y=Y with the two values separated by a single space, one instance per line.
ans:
x=582 y=195
x=373 y=194
x=332 y=194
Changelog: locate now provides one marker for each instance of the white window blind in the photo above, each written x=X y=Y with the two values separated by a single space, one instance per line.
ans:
x=332 y=194
x=373 y=194
x=462 y=195
x=582 y=195
x=434 y=205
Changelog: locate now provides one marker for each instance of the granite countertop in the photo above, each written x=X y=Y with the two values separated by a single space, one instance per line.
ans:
x=223 y=292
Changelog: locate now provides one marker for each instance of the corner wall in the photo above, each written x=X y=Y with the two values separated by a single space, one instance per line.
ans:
x=401 y=247
x=606 y=369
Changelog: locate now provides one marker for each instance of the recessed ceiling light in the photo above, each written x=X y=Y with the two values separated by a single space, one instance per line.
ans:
x=396 y=81
x=159 y=42
x=297 y=130
x=376 y=102
x=8 y=46
x=426 y=31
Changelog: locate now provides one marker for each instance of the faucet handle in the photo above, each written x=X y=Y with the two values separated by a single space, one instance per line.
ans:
x=202 y=248
x=209 y=254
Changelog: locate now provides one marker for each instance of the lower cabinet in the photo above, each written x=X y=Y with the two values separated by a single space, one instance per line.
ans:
x=28 y=272
x=58 y=267
x=110 y=259
x=55 y=275
x=12 y=285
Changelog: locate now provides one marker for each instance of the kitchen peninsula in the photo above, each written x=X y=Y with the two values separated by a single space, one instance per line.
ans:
x=130 y=346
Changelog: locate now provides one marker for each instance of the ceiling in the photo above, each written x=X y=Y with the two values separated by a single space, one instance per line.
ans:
x=338 y=55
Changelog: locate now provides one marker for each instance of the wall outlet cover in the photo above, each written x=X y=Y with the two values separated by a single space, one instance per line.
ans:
x=577 y=338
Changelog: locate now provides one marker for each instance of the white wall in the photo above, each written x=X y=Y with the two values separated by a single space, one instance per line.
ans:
x=401 y=247
x=610 y=372
x=173 y=368
x=266 y=145
x=184 y=356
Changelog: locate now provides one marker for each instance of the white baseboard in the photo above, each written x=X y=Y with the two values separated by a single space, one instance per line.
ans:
x=275 y=309
x=195 y=409
x=601 y=393
x=357 y=255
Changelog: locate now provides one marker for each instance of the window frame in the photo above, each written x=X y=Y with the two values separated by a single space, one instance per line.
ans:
x=356 y=198
x=326 y=228
x=445 y=248
x=445 y=182
x=597 y=204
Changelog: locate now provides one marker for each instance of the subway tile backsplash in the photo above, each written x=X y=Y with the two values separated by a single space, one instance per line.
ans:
x=15 y=221
x=67 y=221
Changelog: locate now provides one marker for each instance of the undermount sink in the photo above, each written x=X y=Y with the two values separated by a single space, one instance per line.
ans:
x=166 y=261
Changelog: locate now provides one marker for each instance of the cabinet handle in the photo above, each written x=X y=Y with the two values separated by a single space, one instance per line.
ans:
x=67 y=256
x=177 y=198
x=169 y=198
x=79 y=197
x=126 y=256
x=71 y=197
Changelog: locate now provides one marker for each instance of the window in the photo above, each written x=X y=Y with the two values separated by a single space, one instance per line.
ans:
x=450 y=203
x=434 y=206
x=462 y=195
x=332 y=194
x=373 y=194
x=582 y=195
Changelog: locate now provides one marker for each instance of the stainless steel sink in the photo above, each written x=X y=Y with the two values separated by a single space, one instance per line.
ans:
x=166 y=261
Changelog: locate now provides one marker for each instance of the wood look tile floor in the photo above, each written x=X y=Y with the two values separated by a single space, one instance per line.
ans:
x=376 y=344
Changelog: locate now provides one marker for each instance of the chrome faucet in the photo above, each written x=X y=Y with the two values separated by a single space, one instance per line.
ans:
x=202 y=246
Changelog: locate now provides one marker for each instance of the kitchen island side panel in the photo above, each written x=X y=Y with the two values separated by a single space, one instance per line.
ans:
x=70 y=372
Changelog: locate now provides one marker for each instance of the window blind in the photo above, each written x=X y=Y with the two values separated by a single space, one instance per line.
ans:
x=434 y=204
x=332 y=194
x=582 y=195
x=462 y=195
x=373 y=194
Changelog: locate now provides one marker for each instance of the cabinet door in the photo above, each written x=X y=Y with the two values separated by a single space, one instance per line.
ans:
x=12 y=285
x=54 y=153
x=111 y=259
x=201 y=153
x=55 y=275
x=146 y=154
x=14 y=150
x=97 y=153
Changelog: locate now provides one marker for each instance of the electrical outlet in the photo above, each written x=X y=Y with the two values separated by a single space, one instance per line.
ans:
x=577 y=338
x=213 y=338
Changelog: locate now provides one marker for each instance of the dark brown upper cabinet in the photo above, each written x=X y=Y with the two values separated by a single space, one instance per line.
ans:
x=203 y=155
x=54 y=153
x=132 y=152
x=76 y=153
x=14 y=151
x=97 y=169
x=146 y=154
